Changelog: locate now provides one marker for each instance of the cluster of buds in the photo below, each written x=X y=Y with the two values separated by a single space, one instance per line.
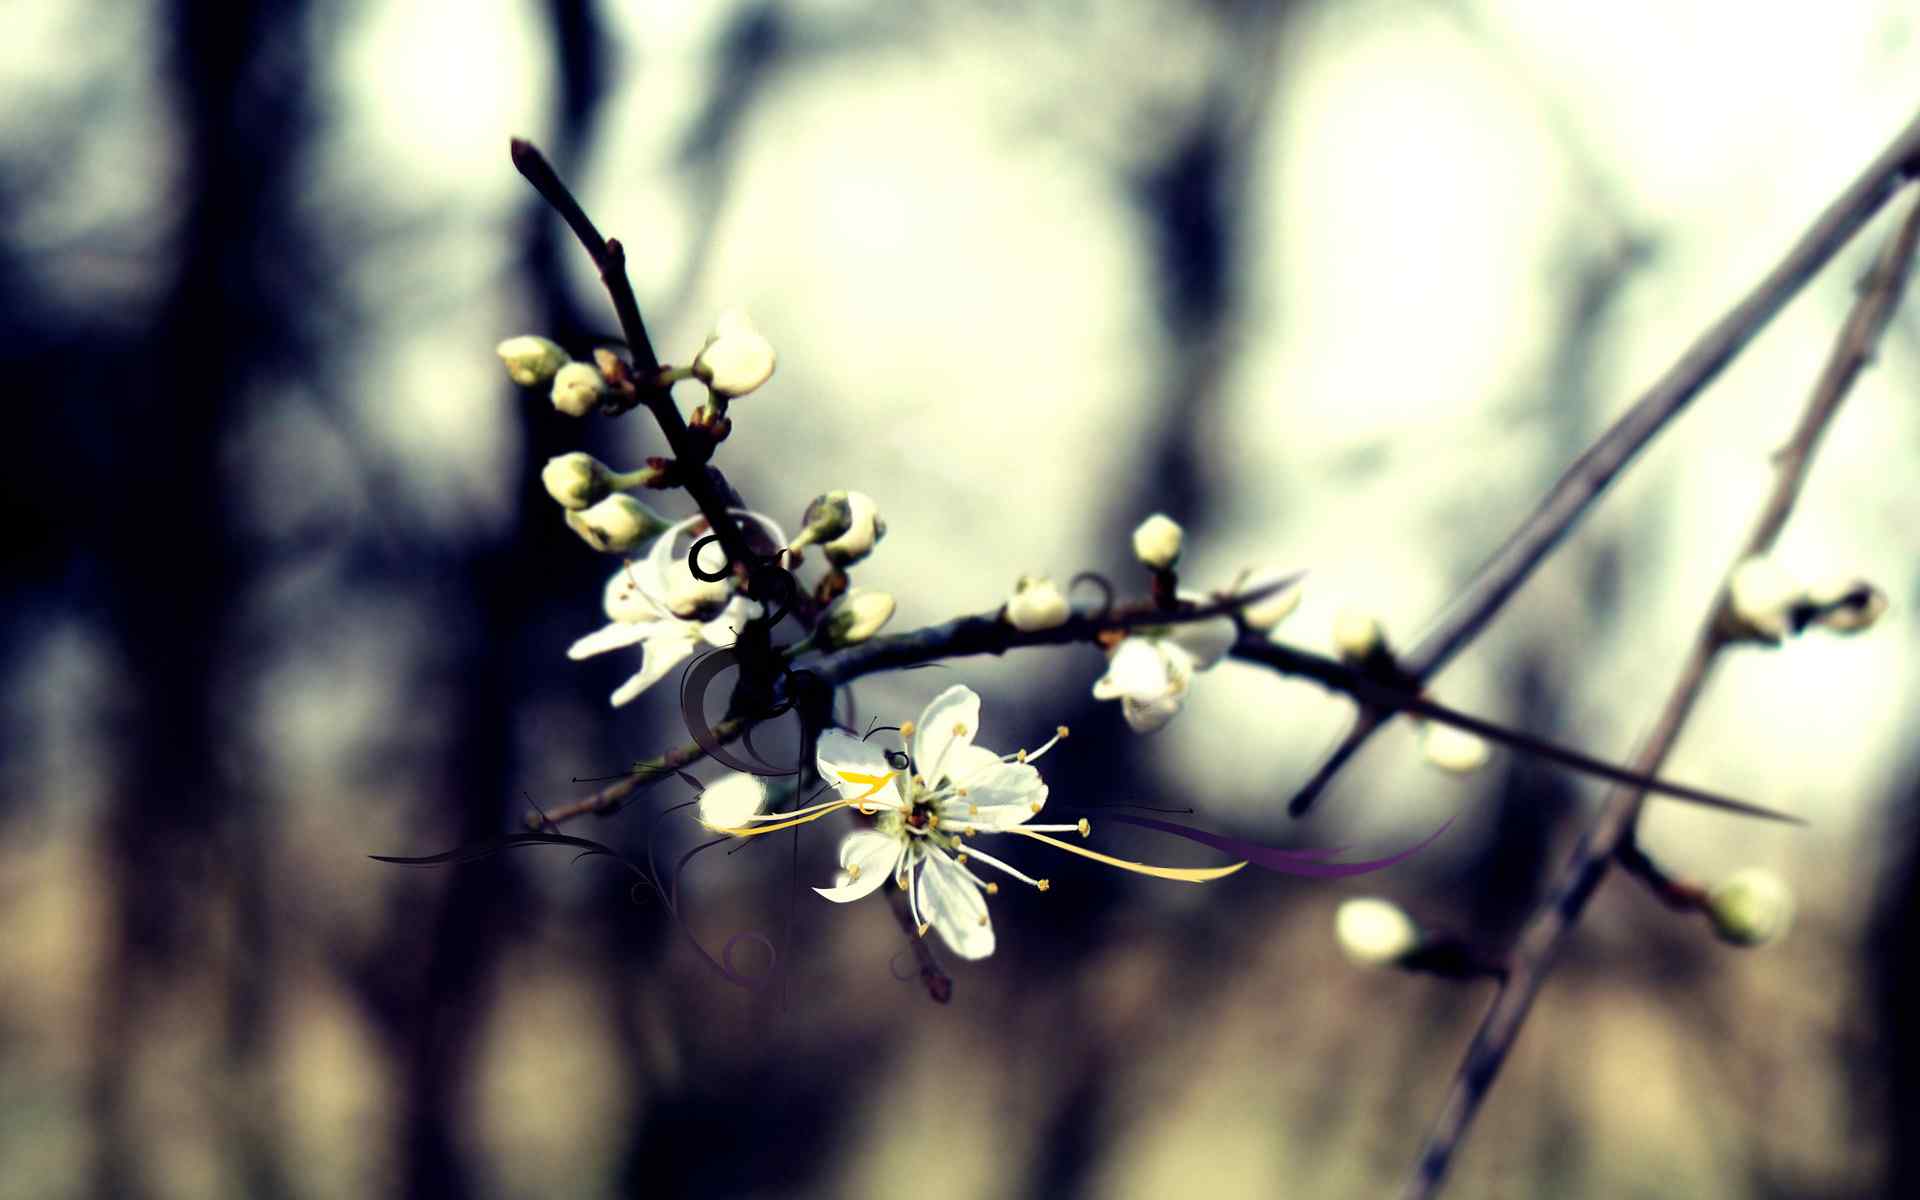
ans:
x=1766 y=603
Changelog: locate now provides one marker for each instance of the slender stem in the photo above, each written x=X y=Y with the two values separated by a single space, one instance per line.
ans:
x=939 y=983
x=610 y=257
x=1540 y=943
x=612 y=798
x=1509 y=567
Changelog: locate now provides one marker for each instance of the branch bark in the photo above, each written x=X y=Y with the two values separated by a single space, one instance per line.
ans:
x=1540 y=943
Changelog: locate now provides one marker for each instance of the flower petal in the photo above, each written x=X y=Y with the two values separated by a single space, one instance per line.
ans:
x=725 y=629
x=1138 y=670
x=1147 y=716
x=660 y=654
x=870 y=857
x=617 y=636
x=854 y=767
x=1207 y=641
x=634 y=593
x=999 y=797
x=949 y=722
x=955 y=907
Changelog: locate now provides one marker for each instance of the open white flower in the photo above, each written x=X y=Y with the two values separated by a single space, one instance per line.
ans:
x=1150 y=671
x=930 y=800
x=639 y=614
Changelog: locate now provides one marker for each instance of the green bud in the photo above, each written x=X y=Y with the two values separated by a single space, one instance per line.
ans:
x=618 y=524
x=531 y=361
x=1752 y=908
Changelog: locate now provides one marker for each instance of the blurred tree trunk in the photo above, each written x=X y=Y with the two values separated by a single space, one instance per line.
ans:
x=180 y=840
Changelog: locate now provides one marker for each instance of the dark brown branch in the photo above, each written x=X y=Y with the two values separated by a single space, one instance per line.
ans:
x=1539 y=945
x=615 y=796
x=1582 y=483
x=986 y=633
x=708 y=491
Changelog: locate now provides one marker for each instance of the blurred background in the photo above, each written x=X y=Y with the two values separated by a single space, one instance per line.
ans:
x=1341 y=284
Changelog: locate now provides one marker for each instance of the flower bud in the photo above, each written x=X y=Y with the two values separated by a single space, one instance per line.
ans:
x=1262 y=615
x=690 y=597
x=730 y=802
x=1374 y=932
x=578 y=389
x=826 y=518
x=736 y=359
x=1451 y=749
x=531 y=361
x=1357 y=636
x=617 y=525
x=1846 y=604
x=1156 y=541
x=1036 y=604
x=1752 y=907
x=577 y=480
x=856 y=616
x=865 y=529
x=1762 y=596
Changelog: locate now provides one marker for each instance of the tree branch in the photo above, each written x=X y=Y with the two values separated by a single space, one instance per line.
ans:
x=1590 y=474
x=1533 y=956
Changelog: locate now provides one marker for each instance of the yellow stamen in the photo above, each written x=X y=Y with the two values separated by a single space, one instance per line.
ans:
x=923 y=928
x=1060 y=732
x=1181 y=874
x=906 y=729
x=993 y=889
x=1019 y=756
x=969 y=831
x=853 y=871
x=973 y=810
x=1035 y=806
x=959 y=727
x=777 y=826
x=1043 y=884
x=1086 y=827
x=983 y=920
x=933 y=820
x=876 y=781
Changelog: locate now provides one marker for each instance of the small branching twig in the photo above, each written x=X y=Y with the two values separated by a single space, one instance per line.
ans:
x=1582 y=483
x=616 y=795
x=1533 y=956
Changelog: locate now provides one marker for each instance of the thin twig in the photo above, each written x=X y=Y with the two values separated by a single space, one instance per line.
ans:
x=1509 y=567
x=614 y=797
x=699 y=480
x=939 y=983
x=1534 y=954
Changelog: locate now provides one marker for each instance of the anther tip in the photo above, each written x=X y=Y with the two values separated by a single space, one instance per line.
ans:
x=1044 y=884
x=922 y=932
x=1060 y=732
x=1086 y=827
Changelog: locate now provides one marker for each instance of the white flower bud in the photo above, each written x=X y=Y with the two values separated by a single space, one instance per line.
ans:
x=531 y=361
x=1374 y=932
x=1763 y=596
x=578 y=389
x=1036 y=604
x=1847 y=604
x=690 y=597
x=736 y=359
x=617 y=525
x=856 y=616
x=576 y=480
x=1451 y=749
x=1357 y=636
x=865 y=529
x=1156 y=541
x=827 y=517
x=729 y=803
x=1752 y=907
x=1262 y=615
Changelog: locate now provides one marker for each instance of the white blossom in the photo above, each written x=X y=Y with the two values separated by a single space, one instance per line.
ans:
x=1037 y=603
x=1453 y=750
x=638 y=614
x=1156 y=542
x=1262 y=615
x=531 y=361
x=1151 y=670
x=732 y=800
x=931 y=800
x=1763 y=595
x=578 y=389
x=863 y=530
x=736 y=359
x=576 y=480
x=856 y=616
x=1374 y=932
x=1752 y=907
